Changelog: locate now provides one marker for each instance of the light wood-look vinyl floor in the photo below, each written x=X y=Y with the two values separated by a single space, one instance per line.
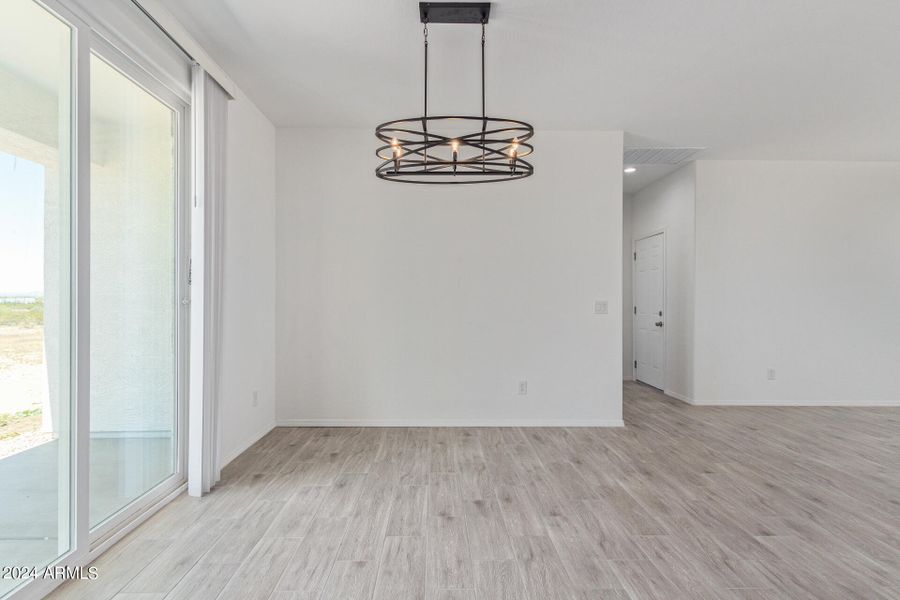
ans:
x=684 y=502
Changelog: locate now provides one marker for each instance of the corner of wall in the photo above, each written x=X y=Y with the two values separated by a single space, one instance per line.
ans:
x=627 y=292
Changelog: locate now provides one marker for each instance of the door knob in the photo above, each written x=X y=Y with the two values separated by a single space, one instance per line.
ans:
x=659 y=323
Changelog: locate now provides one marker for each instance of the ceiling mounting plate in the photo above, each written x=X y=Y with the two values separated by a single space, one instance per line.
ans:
x=454 y=12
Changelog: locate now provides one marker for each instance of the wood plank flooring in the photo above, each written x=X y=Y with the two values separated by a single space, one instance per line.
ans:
x=683 y=503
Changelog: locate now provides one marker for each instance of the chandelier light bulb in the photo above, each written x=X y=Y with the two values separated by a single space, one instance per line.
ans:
x=514 y=148
x=513 y=155
x=398 y=152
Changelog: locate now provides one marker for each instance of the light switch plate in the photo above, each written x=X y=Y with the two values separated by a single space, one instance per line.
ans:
x=601 y=307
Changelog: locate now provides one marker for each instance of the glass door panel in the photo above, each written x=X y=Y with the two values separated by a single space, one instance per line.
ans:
x=35 y=286
x=133 y=444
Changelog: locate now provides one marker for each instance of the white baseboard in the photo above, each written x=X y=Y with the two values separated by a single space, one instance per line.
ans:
x=240 y=448
x=810 y=404
x=451 y=423
x=773 y=403
x=628 y=378
x=678 y=396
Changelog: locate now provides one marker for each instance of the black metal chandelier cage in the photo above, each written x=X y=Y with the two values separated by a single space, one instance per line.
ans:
x=454 y=149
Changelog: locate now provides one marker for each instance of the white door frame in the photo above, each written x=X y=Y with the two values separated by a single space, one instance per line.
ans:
x=109 y=530
x=665 y=315
x=87 y=545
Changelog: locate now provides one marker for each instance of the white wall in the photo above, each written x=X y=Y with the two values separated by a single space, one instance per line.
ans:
x=427 y=304
x=798 y=269
x=627 y=296
x=668 y=204
x=248 y=302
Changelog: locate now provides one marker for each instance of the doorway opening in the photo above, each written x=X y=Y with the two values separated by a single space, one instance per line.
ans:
x=658 y=223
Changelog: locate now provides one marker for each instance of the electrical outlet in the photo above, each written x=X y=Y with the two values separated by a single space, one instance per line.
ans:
x=601 y=307
x=255 y=397
x=523 y=388
x=770 y=374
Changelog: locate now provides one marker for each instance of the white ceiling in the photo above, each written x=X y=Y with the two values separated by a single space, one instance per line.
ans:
x=753 y=79
x=645 y=175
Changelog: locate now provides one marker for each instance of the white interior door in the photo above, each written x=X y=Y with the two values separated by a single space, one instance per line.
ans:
x=649 y=302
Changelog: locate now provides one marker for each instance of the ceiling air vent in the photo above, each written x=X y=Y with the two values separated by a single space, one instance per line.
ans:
x=660 y=156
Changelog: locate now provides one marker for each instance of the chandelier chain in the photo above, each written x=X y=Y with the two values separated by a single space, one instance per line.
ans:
x=425 y=100
x=482 y=70
x=483 y=114
x=425 y=33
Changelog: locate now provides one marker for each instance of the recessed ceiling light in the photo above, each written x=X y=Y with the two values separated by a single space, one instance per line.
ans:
x=630 y=169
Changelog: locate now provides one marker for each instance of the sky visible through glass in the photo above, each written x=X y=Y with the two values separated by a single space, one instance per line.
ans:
x=21 y=227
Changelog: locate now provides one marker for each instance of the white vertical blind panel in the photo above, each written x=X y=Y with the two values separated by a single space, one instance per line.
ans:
x=216 y=99
x=210 y=130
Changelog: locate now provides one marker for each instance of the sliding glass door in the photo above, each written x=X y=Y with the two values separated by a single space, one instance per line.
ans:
x=134 y=299
x=94 y=226
x=35 y=286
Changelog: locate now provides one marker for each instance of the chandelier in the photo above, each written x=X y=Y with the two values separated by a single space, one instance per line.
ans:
x=453 y=149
